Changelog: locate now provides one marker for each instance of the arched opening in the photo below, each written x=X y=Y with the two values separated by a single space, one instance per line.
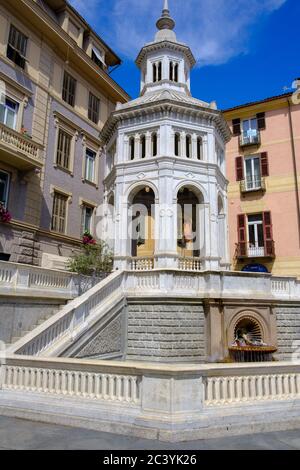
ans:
x=188 y=145
x=154 y=68
x=199 y=148
x=176 y=68
x=142 y=213
x=159 y=71
x=171 y=71
x=188 y=223
x=248 y=330
x=177 y=144
x=154 y=144
x=143 y=146
x=132 y=148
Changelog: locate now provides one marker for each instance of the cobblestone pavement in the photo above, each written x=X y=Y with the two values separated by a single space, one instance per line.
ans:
x=25 y=435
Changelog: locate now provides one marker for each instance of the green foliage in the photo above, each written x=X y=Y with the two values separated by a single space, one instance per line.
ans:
x=93 y=260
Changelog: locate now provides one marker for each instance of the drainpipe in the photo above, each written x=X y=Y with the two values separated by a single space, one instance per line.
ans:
x=294 y=165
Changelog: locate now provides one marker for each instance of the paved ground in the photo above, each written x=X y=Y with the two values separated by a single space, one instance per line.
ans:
x=21 y=435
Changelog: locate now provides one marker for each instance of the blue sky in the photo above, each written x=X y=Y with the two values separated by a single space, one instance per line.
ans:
x=246 y=49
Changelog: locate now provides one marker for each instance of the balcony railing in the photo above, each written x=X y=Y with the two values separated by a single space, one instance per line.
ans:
x=251 y=250
x=250 y=138
x=253 y=184
x=20 y=148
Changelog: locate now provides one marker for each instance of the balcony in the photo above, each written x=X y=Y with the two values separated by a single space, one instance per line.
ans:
x=20 y=151
x=250 y=138
x=252 y=185
x=250 y=250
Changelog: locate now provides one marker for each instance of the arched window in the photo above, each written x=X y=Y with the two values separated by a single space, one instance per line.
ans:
x=199 y=148
x=154 y=144
x=176 y=73
x=159 y=71
x=143 y=146
x=171 y=71
x=177 y=144
x=132 y=148
x=188 y=146
x=154 y=73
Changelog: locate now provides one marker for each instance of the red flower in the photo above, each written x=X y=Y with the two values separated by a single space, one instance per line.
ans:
x=5 y=216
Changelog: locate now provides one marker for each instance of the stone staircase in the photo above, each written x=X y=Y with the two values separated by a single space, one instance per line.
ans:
x=42 y=320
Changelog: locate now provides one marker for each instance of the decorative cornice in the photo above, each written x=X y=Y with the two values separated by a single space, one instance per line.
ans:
x=174 y=46
x=166 y=106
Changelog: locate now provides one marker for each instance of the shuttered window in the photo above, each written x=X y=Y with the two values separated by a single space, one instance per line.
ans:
x=268 y=234
x=59 y=213
x=264 y=164
x=69 y=89
x=17 y=47
x=94 y=108
x=239 y=168
x=236 y=127
x=63 y=155
x=261 y=121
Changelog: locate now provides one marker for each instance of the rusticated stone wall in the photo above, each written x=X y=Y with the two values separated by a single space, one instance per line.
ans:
x=173 y=332
x=288 y=332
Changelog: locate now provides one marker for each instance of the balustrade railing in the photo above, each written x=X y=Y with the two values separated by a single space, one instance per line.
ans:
x=248 y=388
x=70 y=318
x=190 y=264
x=72 y=383
x=142 y=264
x=20 y=143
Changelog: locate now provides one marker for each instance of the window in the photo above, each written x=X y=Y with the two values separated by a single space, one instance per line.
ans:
x=154 y=144
x=199 y=148
x=63 y=155
x=97 y=58
x=252 y=173
x=16 y=47
x=174 y=68
x=90 y=165
x=256 y=235
x=4 y=188
x=8 y=112
x=188 y=144
x=87 y=217
x=177 y=144
x=94 y=108
x=143 y=146
x=59 y=213
x=69 y=89
x=250 y=131
x=157 y=72
x=132 y=148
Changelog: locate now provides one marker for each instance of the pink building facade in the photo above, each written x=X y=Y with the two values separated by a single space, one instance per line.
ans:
x=263 y=169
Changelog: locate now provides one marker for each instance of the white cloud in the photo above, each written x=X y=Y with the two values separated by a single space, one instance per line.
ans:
x=216 y=30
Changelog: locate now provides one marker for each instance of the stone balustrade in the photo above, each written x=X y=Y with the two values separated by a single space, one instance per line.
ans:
x=190 y=264
x=142 y=264
x=72 y=319
x=29 y=281
x=15 y=141
x=175 y=400
x=53 y=336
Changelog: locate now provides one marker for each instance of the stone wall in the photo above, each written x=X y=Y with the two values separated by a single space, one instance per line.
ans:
x=288 y=332
x=166 y=332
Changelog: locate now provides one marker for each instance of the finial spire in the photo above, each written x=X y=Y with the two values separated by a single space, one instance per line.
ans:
x=165 y=21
